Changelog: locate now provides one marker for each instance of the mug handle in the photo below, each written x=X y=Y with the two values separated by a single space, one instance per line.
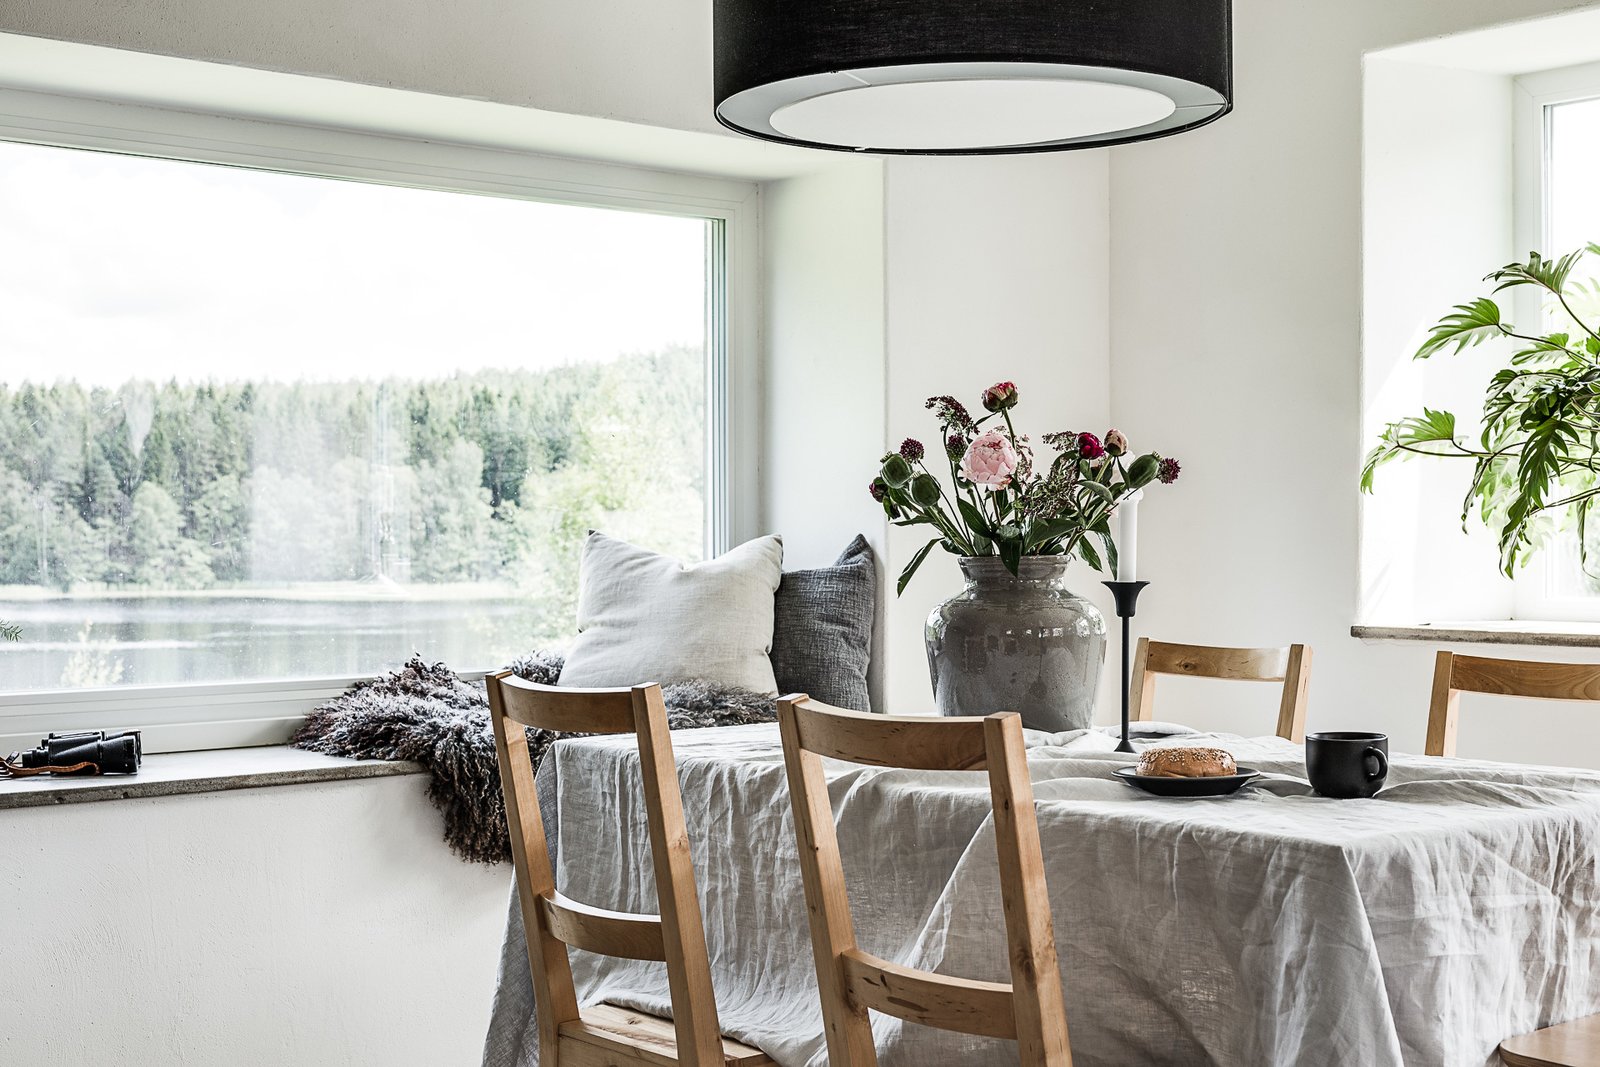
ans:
x=1383 y=763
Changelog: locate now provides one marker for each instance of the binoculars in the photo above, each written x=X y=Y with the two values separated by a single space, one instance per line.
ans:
x=107 y=753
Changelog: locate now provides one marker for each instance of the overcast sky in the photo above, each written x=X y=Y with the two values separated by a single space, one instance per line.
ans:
x=115 y=267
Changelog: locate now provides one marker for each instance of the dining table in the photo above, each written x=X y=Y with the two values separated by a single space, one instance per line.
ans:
x=1417 y=928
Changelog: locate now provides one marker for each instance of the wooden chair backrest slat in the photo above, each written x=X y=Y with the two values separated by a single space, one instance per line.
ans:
x=1290 y=665
x=567 y=711
x=609 y=933
x=1204 y=661
x=1454 y=675
x=936 y=1000
x=549 y=919
x=913 y=742
x=851 y=982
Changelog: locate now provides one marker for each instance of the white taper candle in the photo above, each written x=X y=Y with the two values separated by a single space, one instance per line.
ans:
x=1128 y=537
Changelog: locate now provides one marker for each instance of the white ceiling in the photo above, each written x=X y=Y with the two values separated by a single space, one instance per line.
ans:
x=44 y=65
x=1547 y=43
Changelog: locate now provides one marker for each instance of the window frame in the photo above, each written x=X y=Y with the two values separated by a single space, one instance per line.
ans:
x=236 y=714
x=1535 y=94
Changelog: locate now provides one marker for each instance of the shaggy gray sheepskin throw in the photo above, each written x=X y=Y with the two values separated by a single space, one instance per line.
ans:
x=423 y=712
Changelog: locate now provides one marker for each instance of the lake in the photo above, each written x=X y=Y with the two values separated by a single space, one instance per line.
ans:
x=73 y=642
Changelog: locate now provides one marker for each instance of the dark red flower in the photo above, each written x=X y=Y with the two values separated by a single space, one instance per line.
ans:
x=1168 y=471
x=955 y=446
x=879 y=489
x=912 y=449
x=1089 y=446
x=999 y=396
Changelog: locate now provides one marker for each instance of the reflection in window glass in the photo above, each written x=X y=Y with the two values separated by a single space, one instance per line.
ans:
x=258 y=425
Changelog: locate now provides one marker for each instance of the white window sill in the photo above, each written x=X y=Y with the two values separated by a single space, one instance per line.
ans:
x=175 y=773
x=1510 y=632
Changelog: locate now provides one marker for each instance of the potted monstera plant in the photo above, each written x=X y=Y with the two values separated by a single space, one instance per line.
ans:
x=1536 y=460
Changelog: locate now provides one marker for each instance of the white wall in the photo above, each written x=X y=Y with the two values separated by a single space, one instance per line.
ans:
x=997 y=269
x=1437 y=214
x=1236 y=332
x=308 y=924
x=825 y=366
x=891 y=282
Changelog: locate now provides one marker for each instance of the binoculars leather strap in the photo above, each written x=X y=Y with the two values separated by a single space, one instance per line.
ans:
x=10 y=769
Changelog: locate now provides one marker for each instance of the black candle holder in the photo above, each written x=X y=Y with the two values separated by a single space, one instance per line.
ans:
x=1126 y=595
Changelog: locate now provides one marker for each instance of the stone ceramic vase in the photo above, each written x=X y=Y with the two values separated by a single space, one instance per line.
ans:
x=1025 y=644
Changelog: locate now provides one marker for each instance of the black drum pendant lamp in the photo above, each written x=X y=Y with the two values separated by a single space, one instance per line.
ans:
x=971 y=77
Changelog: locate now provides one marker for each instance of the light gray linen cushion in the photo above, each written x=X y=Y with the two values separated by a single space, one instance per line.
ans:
x=822 y=632
x=645 y=617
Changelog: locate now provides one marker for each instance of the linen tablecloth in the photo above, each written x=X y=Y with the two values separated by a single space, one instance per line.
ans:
x=1415 y=929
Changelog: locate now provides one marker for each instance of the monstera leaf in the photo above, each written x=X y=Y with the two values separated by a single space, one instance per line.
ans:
x=1537 y=458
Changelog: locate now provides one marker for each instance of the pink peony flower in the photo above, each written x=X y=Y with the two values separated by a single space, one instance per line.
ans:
x=1089 y=446
x=1116 y=442
x=990 y=460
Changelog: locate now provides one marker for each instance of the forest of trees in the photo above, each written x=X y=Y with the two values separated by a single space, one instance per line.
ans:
x=492 y=477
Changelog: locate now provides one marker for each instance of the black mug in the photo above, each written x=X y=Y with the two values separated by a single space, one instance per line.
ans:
x=1346 y=765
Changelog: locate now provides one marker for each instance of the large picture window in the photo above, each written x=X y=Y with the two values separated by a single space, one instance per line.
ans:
x=259 y=425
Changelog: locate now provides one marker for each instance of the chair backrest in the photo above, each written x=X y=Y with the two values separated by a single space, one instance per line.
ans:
x=1290 y=665
x=552 y=922
x=1030 y=1008
x=1454 y=675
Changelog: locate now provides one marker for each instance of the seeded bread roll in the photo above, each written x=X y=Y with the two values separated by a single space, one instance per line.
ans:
x=1186 y=763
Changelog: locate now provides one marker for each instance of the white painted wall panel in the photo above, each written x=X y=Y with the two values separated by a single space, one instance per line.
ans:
x=312 y=924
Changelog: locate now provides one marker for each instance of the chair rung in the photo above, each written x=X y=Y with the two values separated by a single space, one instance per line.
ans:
x=634 y=1038
x=610 y=933
x=960 y=1004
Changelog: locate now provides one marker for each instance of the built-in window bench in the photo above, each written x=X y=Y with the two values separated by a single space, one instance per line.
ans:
x=174 y=773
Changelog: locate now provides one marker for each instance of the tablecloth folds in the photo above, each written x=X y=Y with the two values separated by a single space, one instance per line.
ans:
x=1416 y=929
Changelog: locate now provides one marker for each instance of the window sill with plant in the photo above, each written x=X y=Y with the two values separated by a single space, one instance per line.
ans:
x=1535 y=461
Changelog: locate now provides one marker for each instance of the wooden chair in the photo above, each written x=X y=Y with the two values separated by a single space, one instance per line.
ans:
x=1454 y=675
x=1576 y=1043
x=1029 y=1009
x=1290 y=665
x=606 y=1036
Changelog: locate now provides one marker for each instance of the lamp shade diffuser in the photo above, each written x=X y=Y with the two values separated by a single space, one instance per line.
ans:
x=971 y=77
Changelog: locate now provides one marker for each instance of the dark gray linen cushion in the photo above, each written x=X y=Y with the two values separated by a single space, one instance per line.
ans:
x=822 y=629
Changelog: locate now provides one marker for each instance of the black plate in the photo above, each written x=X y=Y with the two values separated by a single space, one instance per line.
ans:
x=1219 y=786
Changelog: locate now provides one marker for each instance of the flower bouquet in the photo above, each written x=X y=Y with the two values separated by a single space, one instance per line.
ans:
x=1002 y=500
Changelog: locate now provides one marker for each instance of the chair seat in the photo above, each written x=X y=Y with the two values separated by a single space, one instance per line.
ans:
x=608 y=1036
x=1574 y=1044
